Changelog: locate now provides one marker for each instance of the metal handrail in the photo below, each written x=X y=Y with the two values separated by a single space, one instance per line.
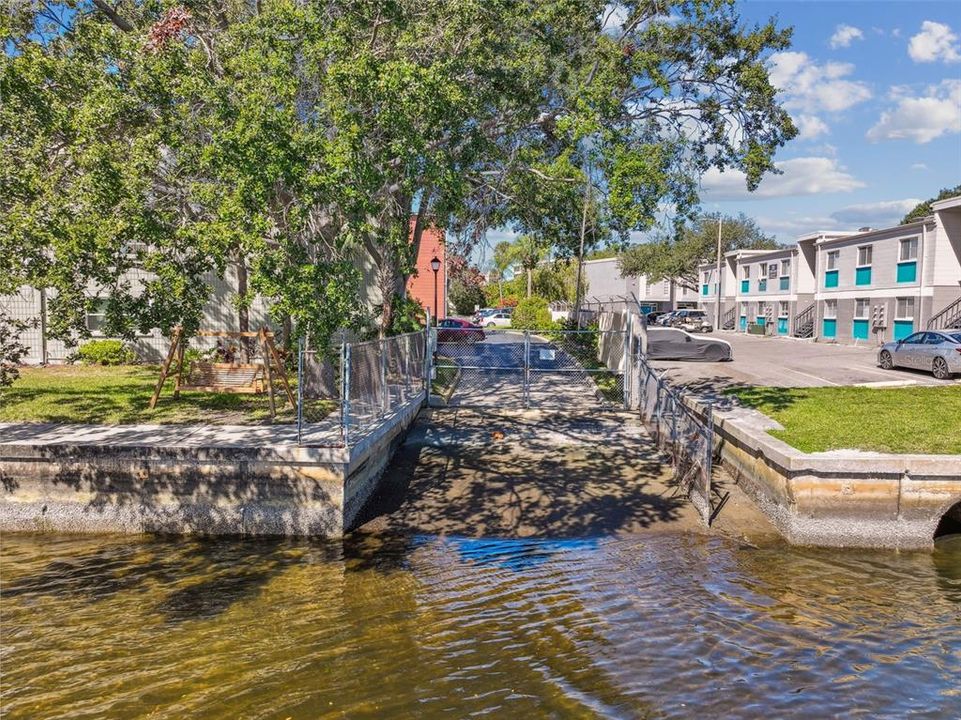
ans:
x=947 y=317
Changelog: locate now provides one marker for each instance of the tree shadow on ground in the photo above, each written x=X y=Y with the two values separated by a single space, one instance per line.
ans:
x=502 y=476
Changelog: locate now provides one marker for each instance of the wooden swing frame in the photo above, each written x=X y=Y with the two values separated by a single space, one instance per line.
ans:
x=261 y=377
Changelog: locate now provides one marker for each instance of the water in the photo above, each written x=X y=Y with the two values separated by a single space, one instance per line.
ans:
x=666 y=625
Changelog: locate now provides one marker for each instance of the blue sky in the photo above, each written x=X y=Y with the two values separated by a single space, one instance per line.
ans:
x=875 y=88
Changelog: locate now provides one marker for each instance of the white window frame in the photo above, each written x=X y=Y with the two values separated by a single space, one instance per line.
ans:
x=908 y=300
x=744 y=309
x=745 y=272
x=783 y=309
x=707 y=277
x=102 y=305
x=830 y=309
x=832 y=259
x=858 y=313
x=870 y=253
x=911 y=242
x=772 y=271
x=785 y=267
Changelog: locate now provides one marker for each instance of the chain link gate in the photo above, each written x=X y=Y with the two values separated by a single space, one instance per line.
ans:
x=548 y=369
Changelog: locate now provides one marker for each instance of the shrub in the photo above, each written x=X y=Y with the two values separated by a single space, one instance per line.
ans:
x=465 y=297
x=409 y=316
x=532 y=314
x=106 y=352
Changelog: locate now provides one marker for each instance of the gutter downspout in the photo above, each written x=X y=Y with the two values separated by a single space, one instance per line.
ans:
x=921 y=251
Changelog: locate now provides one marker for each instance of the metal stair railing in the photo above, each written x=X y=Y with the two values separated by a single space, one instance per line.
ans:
x=947 y=319
x=729 y=319
x=804 y=322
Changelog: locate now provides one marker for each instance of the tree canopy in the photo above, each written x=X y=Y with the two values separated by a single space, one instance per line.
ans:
x=923 y=209
x=150 y=144
x=678 y=256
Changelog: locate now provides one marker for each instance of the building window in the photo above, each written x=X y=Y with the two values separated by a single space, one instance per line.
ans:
x=903 y=317
x=833 y=256
x=904 y=309
x=785 y=268
x=862 y=273
x=862 y=308
x=707 y=277
x=96 y=316
x=830 y=308
x=745 y=272
x=743 y=309
x=772 y=271
x=829 y=324
x=864 y=255
x=909 y=249
x=782 y=308
x=907 y=271
x=859 y=326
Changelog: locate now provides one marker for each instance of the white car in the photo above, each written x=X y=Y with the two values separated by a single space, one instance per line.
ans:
x=497 y=319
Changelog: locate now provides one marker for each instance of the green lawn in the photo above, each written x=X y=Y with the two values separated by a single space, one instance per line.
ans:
x=120 y=395
x=899 y=420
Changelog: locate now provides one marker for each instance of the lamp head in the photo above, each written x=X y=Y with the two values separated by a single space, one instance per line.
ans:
x=434 y=264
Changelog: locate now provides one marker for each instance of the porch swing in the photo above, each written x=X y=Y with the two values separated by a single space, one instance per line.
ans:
x=226 y=377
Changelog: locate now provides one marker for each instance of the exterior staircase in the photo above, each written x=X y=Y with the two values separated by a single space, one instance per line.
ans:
x=728 y=319
x=804 y=323
x=948 y=319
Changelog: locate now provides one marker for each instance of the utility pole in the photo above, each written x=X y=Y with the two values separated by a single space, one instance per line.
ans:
x=717 y=291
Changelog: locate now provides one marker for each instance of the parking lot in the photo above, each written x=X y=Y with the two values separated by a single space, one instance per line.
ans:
x=787 y=362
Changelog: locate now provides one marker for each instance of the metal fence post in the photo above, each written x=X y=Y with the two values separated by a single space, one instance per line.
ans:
x=384 y=349
x=345 y=394
x=626 y=374
x=428 y=361
x=709 y=461
x=300 y=390
x=527 y=368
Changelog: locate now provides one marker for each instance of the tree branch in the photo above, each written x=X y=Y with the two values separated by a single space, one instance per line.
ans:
x=113 y=16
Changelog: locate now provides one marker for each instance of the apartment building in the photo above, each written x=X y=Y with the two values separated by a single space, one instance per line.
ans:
x=849 y=287
x=881 y=285
x=606 y=285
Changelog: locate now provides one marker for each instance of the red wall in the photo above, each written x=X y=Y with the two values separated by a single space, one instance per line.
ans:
x=421 y=283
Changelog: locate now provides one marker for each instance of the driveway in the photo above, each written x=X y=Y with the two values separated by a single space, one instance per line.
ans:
x=787 y=362
x=492 y=374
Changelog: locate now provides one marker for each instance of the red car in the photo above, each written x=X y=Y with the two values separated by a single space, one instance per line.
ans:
x=452 y=330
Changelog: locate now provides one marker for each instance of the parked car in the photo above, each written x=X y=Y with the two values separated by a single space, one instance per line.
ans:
x=677 y=344
x=653 y=317
x=482 y=313
x=665 y=319
x=452 y=330
x=497 y=319
x=691 y=320
x=937 y=352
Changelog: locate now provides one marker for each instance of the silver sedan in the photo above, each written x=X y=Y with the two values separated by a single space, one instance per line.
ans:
x=937 y=352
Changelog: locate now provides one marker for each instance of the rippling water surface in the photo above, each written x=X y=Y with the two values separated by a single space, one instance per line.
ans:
x=386 y=626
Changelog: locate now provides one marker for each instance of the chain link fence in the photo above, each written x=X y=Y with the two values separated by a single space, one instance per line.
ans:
x=686 y=438
x=549 y=369
x=345 y=392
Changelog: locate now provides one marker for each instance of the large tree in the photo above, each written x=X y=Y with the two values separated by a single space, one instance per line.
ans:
x=923 y=209
x=290 y=137
x=677 y=255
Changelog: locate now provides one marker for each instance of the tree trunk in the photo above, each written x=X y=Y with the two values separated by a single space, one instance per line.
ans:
x=243 y=312
x=530 y=281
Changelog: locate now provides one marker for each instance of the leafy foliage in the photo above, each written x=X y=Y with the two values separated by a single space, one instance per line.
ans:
x=679 y=256
x=409 y=316
x=922 y=210
x=532 y=314
x=12 y=349
x=106 y=352
x=466 y=285
x=174 y=140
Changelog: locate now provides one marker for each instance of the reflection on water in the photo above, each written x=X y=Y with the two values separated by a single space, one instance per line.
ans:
x=414 y=626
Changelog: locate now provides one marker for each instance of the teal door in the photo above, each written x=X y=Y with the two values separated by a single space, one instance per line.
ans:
x=829 y=328
x=782 y=326
x=860 y=330
x=742 y=326
x=761 y=320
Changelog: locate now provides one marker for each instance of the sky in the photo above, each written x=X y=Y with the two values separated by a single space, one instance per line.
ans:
x=875 y=90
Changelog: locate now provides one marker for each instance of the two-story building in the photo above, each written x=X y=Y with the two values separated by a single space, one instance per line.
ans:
x=881 y=285
x=850 y=287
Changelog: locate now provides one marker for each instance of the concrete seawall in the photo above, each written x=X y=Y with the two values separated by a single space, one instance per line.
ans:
x=217 y=480
x=844 y=498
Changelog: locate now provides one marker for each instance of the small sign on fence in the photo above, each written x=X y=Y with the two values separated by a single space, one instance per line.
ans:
x=548 y=354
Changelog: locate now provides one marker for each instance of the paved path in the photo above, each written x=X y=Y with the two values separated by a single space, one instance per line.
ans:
x=787 y=362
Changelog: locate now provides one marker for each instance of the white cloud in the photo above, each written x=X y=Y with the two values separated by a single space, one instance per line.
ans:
x=919 y=166
x=921 y=119
x=844 y=35
x=800 y=176
x=810 y=127
x=936 y=41
x=789 y=227
x=876 y=214
x=810 y=87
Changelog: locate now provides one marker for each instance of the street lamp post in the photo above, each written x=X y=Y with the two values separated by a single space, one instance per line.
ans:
x=435 y=266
